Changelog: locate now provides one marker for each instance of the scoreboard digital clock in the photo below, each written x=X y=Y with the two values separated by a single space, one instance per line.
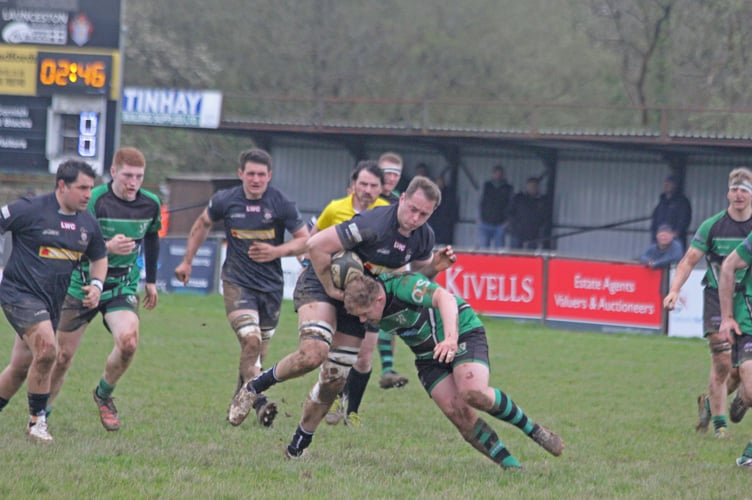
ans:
x=73 y=73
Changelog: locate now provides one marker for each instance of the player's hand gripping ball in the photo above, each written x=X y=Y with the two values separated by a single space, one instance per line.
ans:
x=345 y=266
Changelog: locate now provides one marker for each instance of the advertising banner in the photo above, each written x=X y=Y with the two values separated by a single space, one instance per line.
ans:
x=23 y=128
x=686 y=318
x=615 y=296
x=202 y=274
x=79 y=23
x=171 y=107
x=18 y=70
x=498 y=285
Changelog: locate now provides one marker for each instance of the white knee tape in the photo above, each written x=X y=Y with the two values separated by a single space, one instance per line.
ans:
x=246 y=325
x=317 y=330
x=338 y=364
x=268 y=334
x=314 y=394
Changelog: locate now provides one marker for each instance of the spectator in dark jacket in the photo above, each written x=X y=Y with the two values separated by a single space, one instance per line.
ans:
x=527 y=217
x=494 y=203
x=444 y=218
x=673 y=209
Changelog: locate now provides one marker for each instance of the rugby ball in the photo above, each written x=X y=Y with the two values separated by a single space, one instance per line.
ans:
x=345 y=266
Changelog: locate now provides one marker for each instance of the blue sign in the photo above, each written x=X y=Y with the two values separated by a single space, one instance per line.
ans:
x=203 y=272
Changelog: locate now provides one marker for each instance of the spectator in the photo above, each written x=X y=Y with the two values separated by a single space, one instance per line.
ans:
x=527 y=216
x=444 y=218
x=674 y=209
x=494 y=202
x=423 y=170
x=664 y=252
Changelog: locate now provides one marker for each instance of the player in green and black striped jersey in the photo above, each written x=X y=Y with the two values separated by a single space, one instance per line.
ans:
x=716 y=238
x=451 y=355
x=129 y=218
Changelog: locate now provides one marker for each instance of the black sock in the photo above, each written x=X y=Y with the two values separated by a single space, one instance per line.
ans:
x=300 y=441
x=3 y=403
x=357 y=382
x=264 y=380
x=37 y=403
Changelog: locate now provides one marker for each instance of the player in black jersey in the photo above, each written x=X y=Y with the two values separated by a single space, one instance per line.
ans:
x=346 y=407
x=256 y=216
x=386 y=239
x=52 y=233
x=129 y=218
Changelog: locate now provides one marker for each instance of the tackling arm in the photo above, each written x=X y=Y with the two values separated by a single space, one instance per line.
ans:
x=320 y=248
x=440 y=260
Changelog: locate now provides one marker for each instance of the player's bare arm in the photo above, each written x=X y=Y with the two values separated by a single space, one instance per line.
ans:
x=447 y=306
x=320 y=248
x=199 y=233
x=683 y=270
x=439 y=261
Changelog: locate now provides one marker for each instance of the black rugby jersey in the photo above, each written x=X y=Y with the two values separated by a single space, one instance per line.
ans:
x=246 y=221
x=374 y=235
x=47 y=247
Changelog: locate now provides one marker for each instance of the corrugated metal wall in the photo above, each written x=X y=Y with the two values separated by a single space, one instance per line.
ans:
x=596 y=191
x=592 y=188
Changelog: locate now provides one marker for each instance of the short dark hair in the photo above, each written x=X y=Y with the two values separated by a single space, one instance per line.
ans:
x=371 y=166
x=68 y=171
x=429 y=188
x=254 y=155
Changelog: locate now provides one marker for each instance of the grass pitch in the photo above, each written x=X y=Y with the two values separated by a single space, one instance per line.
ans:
x=625 y=405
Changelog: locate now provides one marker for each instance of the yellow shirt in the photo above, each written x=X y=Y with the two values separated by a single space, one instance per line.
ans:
x=340 y=210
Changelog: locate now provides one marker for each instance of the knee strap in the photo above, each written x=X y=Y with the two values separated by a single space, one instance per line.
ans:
x=268 y=334
x=318 y=330
x=246 y=325
x=333 y=373
x=719 y=347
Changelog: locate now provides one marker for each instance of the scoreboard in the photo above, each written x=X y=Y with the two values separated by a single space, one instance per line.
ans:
x=60 y=82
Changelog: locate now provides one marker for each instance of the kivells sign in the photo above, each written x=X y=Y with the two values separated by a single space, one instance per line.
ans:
x=567 y=292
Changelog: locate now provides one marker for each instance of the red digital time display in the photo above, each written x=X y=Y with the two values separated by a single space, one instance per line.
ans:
x=73 y=73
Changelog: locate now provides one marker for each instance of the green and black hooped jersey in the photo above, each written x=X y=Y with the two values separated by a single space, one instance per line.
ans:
x=717 y=237
x=743 y=299
x=116 y=216
x=409 y=312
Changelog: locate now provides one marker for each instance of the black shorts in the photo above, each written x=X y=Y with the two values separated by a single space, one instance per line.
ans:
x=74 y=315
x=309 y=289
x=473 y=347
x=711 y=311
x=742 y=350
x=267 y=305
x=27 y=312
